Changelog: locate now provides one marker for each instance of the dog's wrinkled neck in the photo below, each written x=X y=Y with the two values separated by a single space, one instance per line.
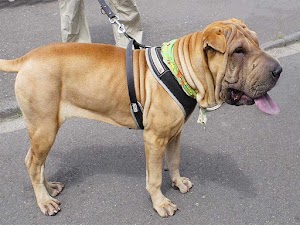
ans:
x=191 y=61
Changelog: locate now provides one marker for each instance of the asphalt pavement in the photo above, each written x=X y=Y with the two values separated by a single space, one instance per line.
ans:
x=245 y=165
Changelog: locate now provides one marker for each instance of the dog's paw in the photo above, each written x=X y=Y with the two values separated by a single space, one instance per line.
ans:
x=54 y=188
x=167 y=208
x=50 y=207
x=183 y=184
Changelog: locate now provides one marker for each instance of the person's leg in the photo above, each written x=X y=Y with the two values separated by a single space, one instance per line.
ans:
x=129 y=16
x=74 y=27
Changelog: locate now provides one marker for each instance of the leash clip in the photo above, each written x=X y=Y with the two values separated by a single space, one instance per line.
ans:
x=114 y=19
x=121 y=27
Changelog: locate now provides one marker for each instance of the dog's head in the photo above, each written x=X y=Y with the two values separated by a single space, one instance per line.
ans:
x=241 y=69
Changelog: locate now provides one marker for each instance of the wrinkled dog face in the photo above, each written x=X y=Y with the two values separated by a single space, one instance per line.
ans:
x=248 y=72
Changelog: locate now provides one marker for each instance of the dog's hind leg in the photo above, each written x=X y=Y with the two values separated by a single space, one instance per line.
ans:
x=173 y=160
x=41 y=140
x=39 y=97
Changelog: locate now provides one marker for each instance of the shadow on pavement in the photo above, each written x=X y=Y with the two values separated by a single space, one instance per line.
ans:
x=130 y=161
x=222 y=170
x=16 y=3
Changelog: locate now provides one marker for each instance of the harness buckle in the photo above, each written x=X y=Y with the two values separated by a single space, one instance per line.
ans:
x=134 y=107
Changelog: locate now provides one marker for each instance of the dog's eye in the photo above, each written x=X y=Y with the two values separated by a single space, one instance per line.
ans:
x=239 y=50
x=209 y=49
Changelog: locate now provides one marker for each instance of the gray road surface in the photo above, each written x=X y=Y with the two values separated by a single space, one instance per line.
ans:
x=245 y=165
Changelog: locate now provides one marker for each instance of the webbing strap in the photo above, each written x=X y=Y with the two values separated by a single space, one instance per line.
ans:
x=107 y=9
x=135 y=106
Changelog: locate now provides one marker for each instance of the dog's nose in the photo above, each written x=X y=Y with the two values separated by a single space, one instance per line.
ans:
x=276 y=72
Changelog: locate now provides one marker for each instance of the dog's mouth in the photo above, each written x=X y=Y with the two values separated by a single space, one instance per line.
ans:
x=265 y=103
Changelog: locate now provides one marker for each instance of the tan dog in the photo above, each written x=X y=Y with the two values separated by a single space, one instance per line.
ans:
x=59 y=81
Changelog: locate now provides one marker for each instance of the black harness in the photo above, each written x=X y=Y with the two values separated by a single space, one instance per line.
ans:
x=158 y=68
x=164 y=76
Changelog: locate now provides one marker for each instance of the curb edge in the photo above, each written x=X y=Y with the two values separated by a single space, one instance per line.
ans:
x=285 y=41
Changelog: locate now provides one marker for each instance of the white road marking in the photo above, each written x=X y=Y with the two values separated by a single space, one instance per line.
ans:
x=285 y=51
x=12 y=125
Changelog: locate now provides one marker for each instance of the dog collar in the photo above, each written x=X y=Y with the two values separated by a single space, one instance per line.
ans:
x=167 y=51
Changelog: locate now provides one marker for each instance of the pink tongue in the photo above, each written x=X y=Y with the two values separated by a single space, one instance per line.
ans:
x=267 y=105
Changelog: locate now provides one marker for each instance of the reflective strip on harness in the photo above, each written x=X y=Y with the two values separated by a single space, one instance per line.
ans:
x=165 y=77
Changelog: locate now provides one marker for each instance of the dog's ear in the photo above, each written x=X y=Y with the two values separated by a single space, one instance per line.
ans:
x=214 y=38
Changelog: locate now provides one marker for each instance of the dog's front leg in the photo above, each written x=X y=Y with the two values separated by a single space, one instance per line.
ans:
x=173 y=161
x=154 y=149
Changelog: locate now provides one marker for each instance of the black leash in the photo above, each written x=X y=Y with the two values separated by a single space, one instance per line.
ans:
x=106 y=9
x=114 y=19
x=135 y=107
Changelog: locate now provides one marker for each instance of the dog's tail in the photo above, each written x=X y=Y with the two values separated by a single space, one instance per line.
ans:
x=13 y=65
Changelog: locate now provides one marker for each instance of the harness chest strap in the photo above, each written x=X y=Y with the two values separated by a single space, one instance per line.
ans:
x=166 y=79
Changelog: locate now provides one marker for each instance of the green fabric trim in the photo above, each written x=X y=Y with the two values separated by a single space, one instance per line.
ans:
x=167 y=52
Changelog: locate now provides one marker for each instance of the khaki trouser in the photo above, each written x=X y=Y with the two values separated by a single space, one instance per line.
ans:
x=74 y=27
